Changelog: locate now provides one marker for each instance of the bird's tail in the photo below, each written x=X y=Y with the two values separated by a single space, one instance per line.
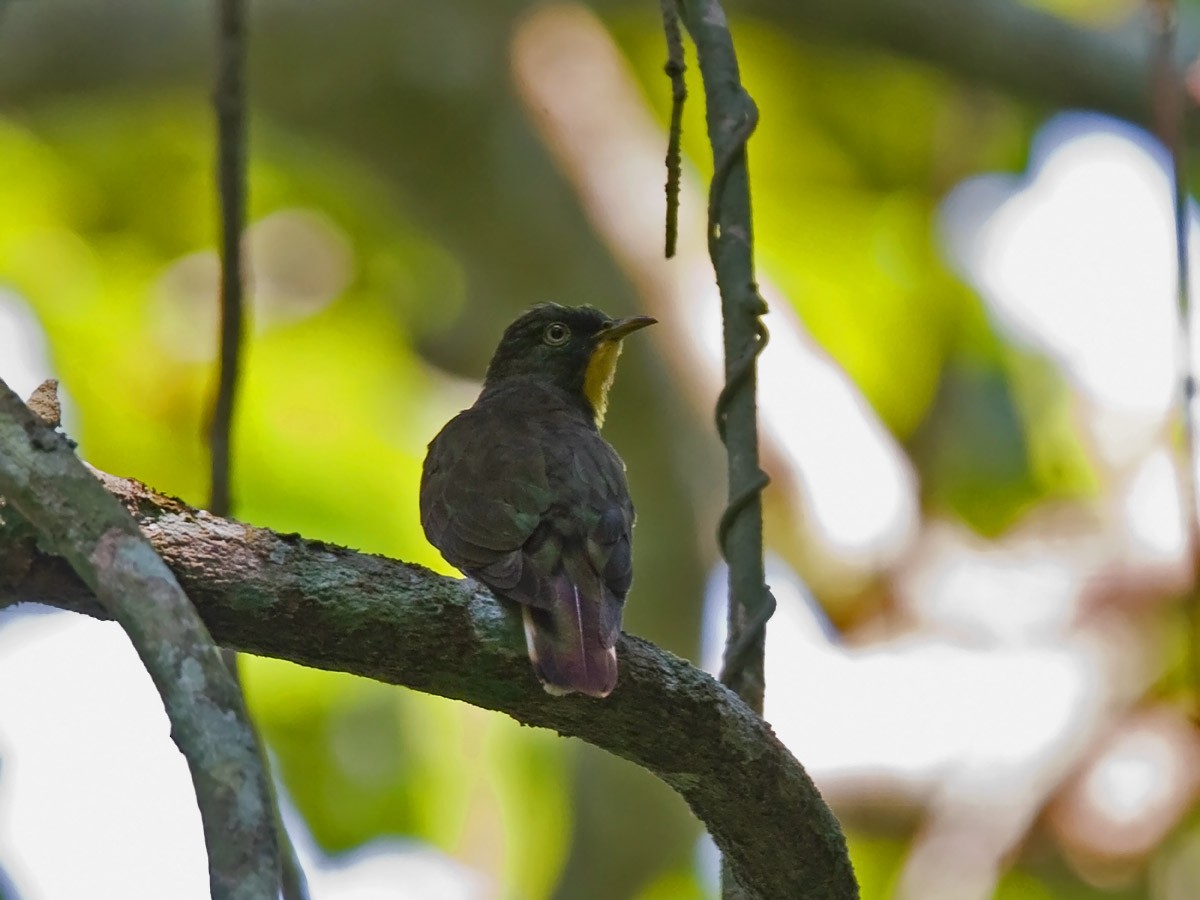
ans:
x=567 y=642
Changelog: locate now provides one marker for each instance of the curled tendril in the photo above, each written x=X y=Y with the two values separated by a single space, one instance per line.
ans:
x=734 y=150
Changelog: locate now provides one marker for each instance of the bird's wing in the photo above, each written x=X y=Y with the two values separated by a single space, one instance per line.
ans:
x=607 y=539
x=484 y=492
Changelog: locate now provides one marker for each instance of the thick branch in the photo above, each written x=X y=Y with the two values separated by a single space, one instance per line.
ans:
x=44 y=485
x=332 y=608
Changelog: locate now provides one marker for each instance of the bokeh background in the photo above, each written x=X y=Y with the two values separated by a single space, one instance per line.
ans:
x=975 y=526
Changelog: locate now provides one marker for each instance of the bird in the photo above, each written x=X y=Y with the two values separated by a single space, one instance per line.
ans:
x=522 y=493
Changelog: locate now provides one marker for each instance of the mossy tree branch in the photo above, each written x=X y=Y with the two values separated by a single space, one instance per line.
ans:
x=50 y=496
x=331 y=608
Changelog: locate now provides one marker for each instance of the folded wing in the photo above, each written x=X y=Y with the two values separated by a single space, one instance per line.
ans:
x=543 y=518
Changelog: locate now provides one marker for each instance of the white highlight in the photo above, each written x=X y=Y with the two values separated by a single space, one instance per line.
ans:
x=90 y=777
x=579 y=627
x=1078 y=260
x=1134 y=775
x=1152 y=510
x=24 y=360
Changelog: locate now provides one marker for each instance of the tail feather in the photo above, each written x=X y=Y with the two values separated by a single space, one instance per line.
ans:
x=566 y=643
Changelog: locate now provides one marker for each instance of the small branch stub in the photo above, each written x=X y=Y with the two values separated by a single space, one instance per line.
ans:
x=44 y=403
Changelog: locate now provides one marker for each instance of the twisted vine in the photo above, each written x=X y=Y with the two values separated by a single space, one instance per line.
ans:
x=732 y=118
x=746 y=636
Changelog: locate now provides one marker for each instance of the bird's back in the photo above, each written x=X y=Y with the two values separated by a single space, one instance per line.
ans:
x=522 y=493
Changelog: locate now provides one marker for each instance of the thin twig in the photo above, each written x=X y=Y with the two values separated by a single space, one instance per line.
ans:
x=674 y=68
x=1168 y=103
x=229 y=101
x=230 y=104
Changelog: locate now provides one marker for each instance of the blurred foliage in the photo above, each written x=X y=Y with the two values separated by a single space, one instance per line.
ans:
x=1093 y=12
x=675 y=886
x=876 y=860
x=847 y=231
x=108 y=234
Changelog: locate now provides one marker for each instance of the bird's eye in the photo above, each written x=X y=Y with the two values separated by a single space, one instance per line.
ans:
x=556 y=333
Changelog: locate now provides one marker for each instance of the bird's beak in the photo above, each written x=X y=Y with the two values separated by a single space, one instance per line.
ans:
x=622 y=327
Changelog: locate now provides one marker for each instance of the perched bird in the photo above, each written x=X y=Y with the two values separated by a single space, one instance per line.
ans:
x=521 y=493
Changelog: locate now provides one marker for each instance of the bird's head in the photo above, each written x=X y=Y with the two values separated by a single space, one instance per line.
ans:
x=575 y=348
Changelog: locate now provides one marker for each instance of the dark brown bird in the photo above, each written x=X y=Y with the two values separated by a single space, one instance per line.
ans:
x=521 y=493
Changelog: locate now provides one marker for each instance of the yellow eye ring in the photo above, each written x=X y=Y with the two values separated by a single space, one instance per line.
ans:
x=556 y=333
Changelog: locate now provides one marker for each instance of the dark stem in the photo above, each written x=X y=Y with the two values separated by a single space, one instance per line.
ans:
x=229 y=101
x=230 y=104
x=674 y=68
x=731 y=117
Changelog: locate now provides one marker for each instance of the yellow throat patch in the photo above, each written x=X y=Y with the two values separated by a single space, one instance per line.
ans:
x=601 y=370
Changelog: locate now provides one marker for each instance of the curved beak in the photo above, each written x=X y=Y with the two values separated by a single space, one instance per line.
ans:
x=622 y=327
